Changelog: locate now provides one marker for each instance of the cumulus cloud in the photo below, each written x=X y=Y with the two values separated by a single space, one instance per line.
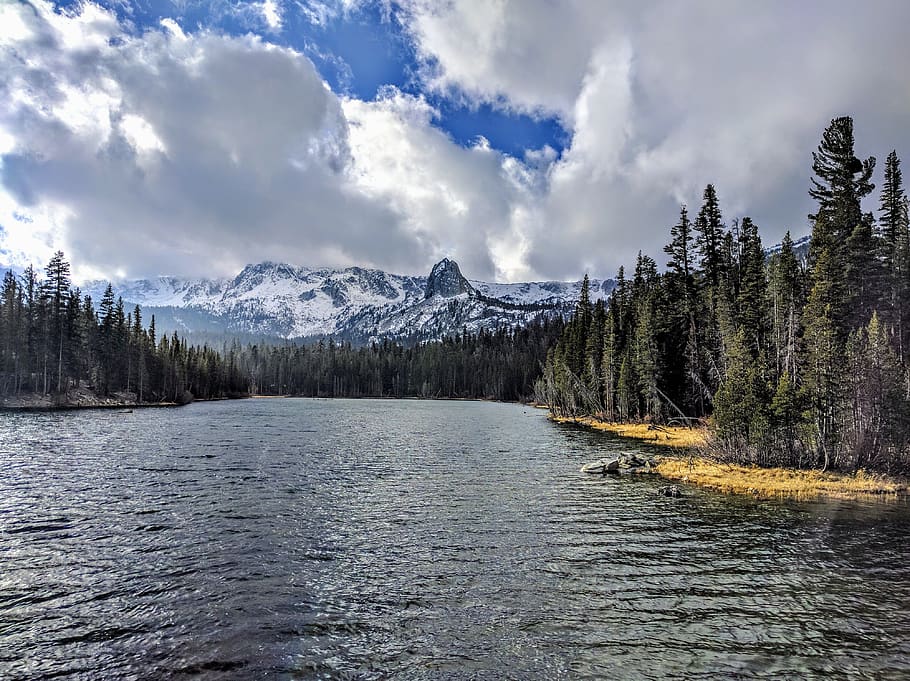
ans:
x=457 y=201
x=174 y=152
x=166 y=153
x=661 y=98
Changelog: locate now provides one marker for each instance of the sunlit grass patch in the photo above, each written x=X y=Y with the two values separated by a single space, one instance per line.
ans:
x=778 y=482
x=666 y=436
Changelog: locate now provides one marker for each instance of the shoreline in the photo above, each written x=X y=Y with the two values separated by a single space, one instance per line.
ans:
x=677 y=437
x=782 y=483
x=84 y=399
x=45 y=403
x=728 y=478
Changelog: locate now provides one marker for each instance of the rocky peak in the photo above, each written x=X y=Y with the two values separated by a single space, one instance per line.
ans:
x=446 y=280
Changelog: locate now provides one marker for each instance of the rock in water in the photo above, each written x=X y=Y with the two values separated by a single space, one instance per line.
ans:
x=670 y=491
x=601 y=467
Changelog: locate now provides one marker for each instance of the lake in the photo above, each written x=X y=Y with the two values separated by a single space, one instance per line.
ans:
x=295 y=539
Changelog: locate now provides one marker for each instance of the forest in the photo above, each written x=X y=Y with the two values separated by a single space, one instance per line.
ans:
x=792 y=361
x=793 y=358
x=54 y=340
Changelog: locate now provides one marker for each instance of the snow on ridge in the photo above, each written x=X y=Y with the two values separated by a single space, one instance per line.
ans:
x=543 y=291
x=291 y=302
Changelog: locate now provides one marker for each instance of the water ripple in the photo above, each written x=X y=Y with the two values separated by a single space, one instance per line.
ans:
x=294 y=539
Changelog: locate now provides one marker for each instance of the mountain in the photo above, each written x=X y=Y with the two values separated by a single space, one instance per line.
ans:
x=355 y=304
x=800 y=248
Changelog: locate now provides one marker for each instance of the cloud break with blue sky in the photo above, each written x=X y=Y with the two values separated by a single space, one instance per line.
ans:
x=527 y=139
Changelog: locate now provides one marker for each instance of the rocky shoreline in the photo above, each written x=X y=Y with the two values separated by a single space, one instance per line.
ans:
x=78 y=398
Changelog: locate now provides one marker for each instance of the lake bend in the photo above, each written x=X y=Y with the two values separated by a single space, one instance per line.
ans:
x=368 y=539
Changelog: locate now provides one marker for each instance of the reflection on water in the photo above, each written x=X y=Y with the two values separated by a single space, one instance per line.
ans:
x=364 y=539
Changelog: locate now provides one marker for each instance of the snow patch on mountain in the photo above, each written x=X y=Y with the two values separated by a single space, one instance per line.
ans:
x=357 y=304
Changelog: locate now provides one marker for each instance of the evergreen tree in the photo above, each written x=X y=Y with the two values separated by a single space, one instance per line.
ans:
x=895 y=242
x=751 y=297
x=786 y=292
x=823 y=380
x=710 y=241
x=680 y=265
x=841 y=182
x=57 y=289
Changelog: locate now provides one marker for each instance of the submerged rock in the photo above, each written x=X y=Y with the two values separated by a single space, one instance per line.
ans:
x=670 y=491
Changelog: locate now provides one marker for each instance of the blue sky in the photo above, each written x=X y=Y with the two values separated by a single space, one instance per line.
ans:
x=526 y=139
x=358 y=52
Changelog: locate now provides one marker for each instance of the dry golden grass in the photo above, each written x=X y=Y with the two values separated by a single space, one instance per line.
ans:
x=765 y=483
x=778 y=482
x=665 y=436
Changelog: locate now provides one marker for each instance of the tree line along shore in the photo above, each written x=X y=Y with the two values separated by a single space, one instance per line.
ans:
x=58 y=349
x=795 y=361
x=789 y=360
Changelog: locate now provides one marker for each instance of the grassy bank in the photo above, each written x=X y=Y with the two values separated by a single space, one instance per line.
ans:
x=665 y=436
x=772 y=483
x=766 y=483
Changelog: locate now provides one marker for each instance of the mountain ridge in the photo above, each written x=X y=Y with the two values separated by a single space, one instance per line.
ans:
x=355 y=304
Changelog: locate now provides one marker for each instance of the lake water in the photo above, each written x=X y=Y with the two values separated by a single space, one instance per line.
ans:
x=293 y=539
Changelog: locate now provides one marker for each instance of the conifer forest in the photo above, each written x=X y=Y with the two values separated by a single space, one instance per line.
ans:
x=54 y=340
x=794 y=359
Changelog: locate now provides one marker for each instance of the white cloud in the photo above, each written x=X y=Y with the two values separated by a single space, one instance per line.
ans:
x=184 y=154
x=456 y=201
x=662 y=97
x=271 y=12
x=220 y=150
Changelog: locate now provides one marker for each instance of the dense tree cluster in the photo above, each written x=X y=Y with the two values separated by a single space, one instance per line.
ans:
x=797 y=362
x=53 y=340
x=501 y=364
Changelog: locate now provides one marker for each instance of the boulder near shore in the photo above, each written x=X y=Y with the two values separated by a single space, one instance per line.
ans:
x=623 y=464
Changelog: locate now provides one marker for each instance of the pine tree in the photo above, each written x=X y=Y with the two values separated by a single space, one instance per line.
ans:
x=787 y=300
x=107 y=342
x=895 y=242
x=11 y=333
x=594 y=344
x=56 y=290
x=577 y=331
x=610 y=365
x=823 y=380
x=841 y=227
x=841 y=182
x=710 y=242
x=738 y=404
x=752 y=293
x=680 y=264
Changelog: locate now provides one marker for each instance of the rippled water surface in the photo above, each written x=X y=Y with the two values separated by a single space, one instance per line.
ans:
x=295 y=539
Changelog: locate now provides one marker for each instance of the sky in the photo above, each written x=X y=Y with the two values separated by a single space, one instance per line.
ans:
x=526 y=139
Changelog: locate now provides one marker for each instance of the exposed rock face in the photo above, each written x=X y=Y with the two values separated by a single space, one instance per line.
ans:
x=446 y=280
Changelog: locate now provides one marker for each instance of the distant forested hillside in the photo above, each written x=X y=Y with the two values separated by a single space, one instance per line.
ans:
x=54 y=340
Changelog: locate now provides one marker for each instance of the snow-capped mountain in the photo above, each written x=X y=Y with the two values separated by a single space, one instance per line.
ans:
x=800 y=248
x=356 y=304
